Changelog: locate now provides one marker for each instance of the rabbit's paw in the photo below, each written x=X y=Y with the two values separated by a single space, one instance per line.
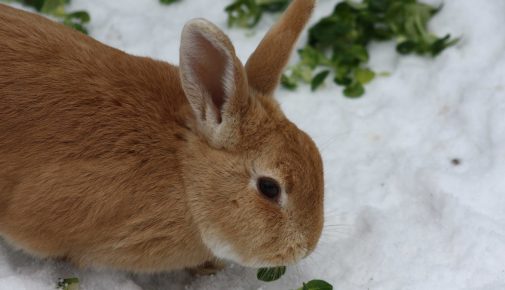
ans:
x=208 y=268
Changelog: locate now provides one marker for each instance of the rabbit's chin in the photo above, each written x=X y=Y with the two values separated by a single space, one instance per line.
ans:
x=225 y=251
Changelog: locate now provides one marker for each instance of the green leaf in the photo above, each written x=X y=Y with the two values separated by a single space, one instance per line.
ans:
x=325 y=32
x=37 y=4
x=68 y=284
x=364 y=75
x=270 y=274
x=168 y=2
x=354 y=90
x=243 y=13
x=312 y=57
x=289 y=83
x=273 y=5
x=359 y=52
x=54 y=7
x=442 y=43
x=302 y=72
x=247 y=13
x=343 y=74
x=406 y=47
x=81 y=16
x=77 y=26
x=316 y=285
x=318 y=80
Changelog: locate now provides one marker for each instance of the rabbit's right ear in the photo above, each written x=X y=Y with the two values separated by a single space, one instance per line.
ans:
x=213 y=80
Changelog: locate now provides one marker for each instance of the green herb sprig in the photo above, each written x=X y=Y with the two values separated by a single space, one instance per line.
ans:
x=247 y=13
x=338 y=43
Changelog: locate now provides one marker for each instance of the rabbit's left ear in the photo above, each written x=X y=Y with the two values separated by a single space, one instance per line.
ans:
x=264 y=67
x=213 y=80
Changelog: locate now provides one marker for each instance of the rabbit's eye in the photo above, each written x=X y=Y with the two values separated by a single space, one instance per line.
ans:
x=269 y=188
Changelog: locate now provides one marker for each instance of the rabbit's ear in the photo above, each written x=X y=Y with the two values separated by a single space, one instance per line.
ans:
x=264 y=67
x=213 y=80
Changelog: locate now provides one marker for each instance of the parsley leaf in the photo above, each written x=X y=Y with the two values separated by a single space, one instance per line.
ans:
x=247 y=13
x=270 y=274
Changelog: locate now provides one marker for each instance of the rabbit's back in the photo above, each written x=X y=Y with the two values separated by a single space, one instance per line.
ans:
x=59 y=88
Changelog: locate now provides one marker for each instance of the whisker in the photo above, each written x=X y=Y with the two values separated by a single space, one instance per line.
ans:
x=336 y=212
x=336 y=225
x=323 y=146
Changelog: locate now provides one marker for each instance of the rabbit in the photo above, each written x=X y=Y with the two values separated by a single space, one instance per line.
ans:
x=115 y=161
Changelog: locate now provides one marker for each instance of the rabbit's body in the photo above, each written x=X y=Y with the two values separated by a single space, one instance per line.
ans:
x=104 y=161
x=98 y=142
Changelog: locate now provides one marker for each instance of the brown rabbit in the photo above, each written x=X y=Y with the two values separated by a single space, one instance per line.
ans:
x=113 y=160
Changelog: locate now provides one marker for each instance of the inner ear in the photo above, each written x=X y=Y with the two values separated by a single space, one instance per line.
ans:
x=210 y=69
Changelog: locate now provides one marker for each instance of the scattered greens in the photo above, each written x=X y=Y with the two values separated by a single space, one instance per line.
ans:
x=274 y=273
x=68 y=284
x=247 y=13
x=56 y=8
x=270 y=274
x=338 y=42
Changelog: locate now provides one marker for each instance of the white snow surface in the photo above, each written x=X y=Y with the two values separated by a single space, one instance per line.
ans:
x=399 y=213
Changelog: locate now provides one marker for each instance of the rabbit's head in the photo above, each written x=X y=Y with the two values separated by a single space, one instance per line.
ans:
x=254 y=180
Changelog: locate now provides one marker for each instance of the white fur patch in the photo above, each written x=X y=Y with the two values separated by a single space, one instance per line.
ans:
x=225 y=251
x=221 y=249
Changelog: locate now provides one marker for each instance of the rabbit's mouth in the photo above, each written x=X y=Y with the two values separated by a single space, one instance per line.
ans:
x=291 y=254
x=288 y=255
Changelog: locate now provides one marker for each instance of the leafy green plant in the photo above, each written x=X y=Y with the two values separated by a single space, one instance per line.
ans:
x=338 y=43
x=247 y=13
x=68 y=284
x=56 y=8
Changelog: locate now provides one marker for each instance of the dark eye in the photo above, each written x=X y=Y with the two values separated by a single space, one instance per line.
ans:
x=269 y=188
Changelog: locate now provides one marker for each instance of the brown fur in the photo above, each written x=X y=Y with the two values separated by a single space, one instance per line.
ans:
x=272 y=54
x=105 y=162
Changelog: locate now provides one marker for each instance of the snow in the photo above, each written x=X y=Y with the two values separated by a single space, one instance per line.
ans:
x=401 y=212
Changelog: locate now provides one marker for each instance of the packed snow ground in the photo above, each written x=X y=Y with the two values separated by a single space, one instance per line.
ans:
x=402 y=213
